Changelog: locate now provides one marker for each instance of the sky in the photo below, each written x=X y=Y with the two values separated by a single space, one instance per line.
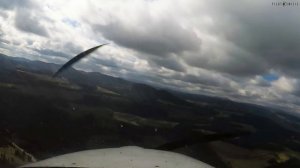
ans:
x=242 y=50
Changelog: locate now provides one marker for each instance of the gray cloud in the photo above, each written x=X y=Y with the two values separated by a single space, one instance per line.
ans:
x=3 y=14
x=156 y=37
x=11 y=4
x=106 y=62
x=4 y=41
x=58 y=48
x=259 y=81
x=169 y=62
x=28 y=21
x=233 y=62
x=269 y=35
x=50 y=52
x=70 y=47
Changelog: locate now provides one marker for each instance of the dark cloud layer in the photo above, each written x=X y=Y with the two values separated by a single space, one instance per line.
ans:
x=155 y=38
x=269 y=34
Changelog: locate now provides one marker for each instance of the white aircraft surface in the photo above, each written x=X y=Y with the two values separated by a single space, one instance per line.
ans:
x=124 y=157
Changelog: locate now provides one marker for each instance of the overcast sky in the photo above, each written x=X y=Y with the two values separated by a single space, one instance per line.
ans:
x=244 y=50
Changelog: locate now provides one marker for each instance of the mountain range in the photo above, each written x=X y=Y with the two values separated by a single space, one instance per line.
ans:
x=85 y=110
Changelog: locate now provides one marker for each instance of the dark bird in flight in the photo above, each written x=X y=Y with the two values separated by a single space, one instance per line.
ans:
x=76 y=59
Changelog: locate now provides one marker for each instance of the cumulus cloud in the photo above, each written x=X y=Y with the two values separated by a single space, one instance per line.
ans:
x=285 y=84
x=259 y=81
x=27 y=22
